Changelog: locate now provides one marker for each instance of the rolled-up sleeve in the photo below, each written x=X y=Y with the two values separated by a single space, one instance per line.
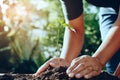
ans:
x=72 y=8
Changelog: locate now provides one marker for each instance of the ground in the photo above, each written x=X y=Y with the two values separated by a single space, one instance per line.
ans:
x=58 y=73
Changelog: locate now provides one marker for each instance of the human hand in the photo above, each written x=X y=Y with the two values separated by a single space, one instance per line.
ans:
x=84 y=66
x=54 y=62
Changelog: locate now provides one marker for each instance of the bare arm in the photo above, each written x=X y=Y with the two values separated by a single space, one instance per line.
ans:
x=86 y=66
x=111 y=44
x=73 y=42
x=72 y=45
x=73 y=39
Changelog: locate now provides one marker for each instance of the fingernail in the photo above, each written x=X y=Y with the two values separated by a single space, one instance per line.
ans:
x=78 y=76
x=87 y=77
x=34 y=75
x=52 y=64
x=71 y=75
x=68 y=71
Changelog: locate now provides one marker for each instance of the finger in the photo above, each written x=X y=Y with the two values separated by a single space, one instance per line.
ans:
x=76 y=62
x=82 y=66
x=83 y=72
x=72 y=66
x=79 y=68
x=54 y=64
x=91 y=74
x=41 y=69
x=69 y=70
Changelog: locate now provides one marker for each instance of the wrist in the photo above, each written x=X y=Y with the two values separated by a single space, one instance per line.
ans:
x=66 y=60
x=99 y=61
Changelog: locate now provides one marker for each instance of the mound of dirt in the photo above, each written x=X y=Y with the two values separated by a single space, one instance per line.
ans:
x=58 y=73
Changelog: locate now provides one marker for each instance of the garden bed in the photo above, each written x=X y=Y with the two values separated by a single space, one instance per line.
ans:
x=58 y=73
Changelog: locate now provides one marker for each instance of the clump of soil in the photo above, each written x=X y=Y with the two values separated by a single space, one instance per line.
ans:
x=17 y=77
x=7 y=77
x=58 y=73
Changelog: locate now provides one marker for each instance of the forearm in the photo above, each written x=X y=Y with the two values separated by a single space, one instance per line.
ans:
x=73 y=39
x=109 y=46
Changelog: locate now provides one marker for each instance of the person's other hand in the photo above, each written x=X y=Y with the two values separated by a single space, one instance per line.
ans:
x=84 y=66
x=54 y=62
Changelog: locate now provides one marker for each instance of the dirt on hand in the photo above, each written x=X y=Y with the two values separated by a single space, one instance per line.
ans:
x=58 y=73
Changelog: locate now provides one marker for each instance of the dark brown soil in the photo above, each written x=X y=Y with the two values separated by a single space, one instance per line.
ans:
x=58 y=73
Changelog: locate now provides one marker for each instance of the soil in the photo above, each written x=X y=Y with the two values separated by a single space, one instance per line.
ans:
x=58 y=73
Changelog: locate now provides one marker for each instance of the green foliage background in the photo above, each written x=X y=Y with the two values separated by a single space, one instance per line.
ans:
x=37 y=35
